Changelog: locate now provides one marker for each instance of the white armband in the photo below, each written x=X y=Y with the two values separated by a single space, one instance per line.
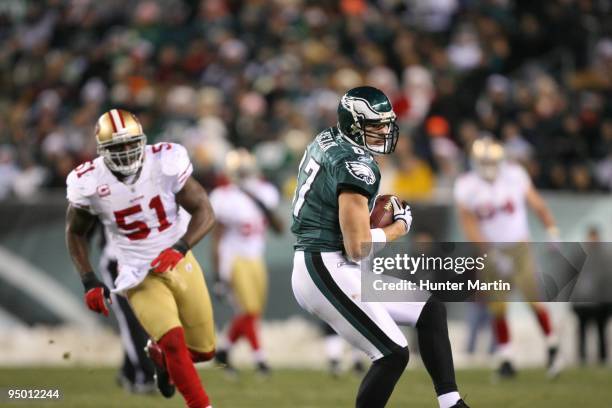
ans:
x=378 y=235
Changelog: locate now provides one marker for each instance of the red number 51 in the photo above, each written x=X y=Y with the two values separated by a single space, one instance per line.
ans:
x=140 y=230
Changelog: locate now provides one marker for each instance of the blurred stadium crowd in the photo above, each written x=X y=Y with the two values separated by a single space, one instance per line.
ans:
x=267 y=75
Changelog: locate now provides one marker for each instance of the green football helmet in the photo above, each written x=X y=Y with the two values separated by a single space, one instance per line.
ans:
x=366 y=119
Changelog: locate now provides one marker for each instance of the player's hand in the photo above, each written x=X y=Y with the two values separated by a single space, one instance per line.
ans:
x=169 y=257
x=96 y=293
x=401 y=211
x=220 y=289
x=554 y=238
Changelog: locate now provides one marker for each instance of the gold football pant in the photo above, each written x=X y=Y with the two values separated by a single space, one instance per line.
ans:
x=178 y=297
x=523 y=277
x=249 y=283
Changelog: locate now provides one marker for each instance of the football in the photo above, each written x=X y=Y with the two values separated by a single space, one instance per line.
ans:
x=382 y=212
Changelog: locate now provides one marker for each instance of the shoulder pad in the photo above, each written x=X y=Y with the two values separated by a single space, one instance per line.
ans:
x=82 y=179
x=173 y=158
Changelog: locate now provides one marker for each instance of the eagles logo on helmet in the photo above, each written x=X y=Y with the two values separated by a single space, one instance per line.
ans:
x=121 y=141
x=366 y=119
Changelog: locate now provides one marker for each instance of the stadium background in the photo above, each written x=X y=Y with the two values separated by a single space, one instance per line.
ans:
x=267 y=76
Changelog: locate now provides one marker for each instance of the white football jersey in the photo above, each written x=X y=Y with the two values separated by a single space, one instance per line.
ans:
x=244 y=222
x=500 y=206
x=142 y=218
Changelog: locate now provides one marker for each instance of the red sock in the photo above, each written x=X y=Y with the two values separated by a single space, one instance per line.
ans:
x=236 y=329
x=250 y=331
x=198 y=357
x=543 y=319
x=181 y=369
x=500 y=327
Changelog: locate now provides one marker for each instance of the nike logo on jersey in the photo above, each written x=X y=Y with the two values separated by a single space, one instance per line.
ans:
x=137 y=199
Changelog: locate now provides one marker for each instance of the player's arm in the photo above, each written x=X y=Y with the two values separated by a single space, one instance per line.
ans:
x=217 y=234
x=78 y=224
x=276 y=222
x=539 y=206
x=194 y=200
x=470 y=225
x=354 y=217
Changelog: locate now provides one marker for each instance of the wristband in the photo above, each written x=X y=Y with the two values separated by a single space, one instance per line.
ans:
x=378 y=235
x=90 y=281
x=181 y=246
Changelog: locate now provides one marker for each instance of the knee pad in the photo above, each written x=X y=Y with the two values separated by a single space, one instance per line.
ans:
x=433 y=315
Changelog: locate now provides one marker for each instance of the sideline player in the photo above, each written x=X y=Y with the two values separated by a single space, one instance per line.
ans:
x=239 y=240
x=155 y=212
x=492 y=201
x=337 y=184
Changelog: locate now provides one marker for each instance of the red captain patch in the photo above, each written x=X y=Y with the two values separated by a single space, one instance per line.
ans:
x=103 y=190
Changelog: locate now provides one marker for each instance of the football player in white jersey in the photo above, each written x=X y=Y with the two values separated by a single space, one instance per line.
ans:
x=239 y=240
x=155 y=212
x=492 y=201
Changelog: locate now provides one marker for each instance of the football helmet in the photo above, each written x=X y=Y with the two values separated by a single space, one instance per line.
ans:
x=487 y=156
x=121 y=141
x=239 y=165
x=366 y=119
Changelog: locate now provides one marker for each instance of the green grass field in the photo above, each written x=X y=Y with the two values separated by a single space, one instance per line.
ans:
x=87 y=387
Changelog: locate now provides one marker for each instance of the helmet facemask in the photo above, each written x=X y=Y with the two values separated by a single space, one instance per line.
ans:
x=123 y=154
x=487 y=156
x=375 y=140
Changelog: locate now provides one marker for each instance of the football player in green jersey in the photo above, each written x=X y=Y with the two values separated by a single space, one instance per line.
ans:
x=337 y=184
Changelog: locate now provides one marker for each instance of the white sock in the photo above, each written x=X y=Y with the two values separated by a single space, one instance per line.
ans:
x=260 y=356
x=504 y=351
x=552 y=340
x=449 y=399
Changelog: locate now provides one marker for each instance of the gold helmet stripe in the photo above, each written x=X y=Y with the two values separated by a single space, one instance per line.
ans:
x=117 y=120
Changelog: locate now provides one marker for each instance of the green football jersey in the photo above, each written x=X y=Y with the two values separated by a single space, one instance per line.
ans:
x=330 y=164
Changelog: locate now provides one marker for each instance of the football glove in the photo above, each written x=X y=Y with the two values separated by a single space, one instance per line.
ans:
x=95 y=294
x=170 y=257
x=401 y=211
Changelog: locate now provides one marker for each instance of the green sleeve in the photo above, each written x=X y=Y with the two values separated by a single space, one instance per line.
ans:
x=356 y=175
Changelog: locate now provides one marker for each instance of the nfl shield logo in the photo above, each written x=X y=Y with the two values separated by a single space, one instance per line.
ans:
x=103 y=190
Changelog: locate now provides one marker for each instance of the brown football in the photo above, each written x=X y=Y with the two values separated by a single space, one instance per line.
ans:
x=382 y=213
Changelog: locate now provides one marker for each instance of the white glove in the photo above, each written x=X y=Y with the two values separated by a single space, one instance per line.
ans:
x=401 y=212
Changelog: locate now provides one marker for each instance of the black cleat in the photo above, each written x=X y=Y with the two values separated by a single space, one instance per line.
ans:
x=554 y=364
x=506 y=370
x=460 y=404
x=222 y=360
x=334 y=368
x=263 y=369
x=162 y=378
x=359 y=367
